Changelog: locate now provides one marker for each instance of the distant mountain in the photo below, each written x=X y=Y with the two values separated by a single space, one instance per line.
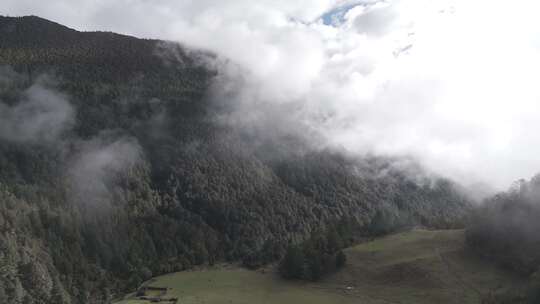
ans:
x=43 y=32
x=113 y=169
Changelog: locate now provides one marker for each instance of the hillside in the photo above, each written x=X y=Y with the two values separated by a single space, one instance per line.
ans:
x=504 y=230
x=113 y=169
x=414 y=267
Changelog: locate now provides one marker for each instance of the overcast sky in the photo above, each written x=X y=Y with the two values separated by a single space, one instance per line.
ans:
x=454 y=83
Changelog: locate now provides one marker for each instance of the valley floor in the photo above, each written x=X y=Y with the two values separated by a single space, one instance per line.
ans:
x=417 y=267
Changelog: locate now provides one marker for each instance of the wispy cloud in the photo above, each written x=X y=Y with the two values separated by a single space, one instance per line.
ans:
x=96 y=166
x=449 y=82
x=40 y=114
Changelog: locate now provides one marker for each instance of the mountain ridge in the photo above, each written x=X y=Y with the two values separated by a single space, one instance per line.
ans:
x=113 y=169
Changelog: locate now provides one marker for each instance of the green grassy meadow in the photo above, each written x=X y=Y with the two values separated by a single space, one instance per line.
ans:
x=417 y=267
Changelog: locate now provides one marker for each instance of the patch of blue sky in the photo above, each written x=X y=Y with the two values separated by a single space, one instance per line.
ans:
x=336 y=16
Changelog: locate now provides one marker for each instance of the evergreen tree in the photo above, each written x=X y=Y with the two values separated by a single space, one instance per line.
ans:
x=292 y=265
x=341 y=259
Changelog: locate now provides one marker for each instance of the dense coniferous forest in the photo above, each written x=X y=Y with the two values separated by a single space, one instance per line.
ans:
x=505 y=230
x=113 y=170
x=319 y=255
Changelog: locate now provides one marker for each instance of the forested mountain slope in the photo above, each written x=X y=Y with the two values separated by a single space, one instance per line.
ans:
x=505 y=230
x=112 y=169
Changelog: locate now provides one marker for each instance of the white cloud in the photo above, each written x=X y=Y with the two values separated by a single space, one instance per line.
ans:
x=451 y=82
x=98 y=165
x=39 y=116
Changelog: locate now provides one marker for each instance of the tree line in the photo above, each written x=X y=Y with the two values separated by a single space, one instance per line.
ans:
x=506 y=230
x=200 y=193
x=320 y=255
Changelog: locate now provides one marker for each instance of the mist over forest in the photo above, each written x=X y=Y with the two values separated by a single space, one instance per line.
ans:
x=139 y=139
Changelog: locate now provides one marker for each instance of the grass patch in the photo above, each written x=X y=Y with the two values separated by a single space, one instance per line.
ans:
x=417 y=267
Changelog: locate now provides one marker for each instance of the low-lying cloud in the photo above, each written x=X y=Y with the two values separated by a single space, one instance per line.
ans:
x=97 y=166
x=448 y=82
x=40 y=115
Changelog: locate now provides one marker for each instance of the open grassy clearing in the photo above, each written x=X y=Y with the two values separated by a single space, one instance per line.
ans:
x=412 y=267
